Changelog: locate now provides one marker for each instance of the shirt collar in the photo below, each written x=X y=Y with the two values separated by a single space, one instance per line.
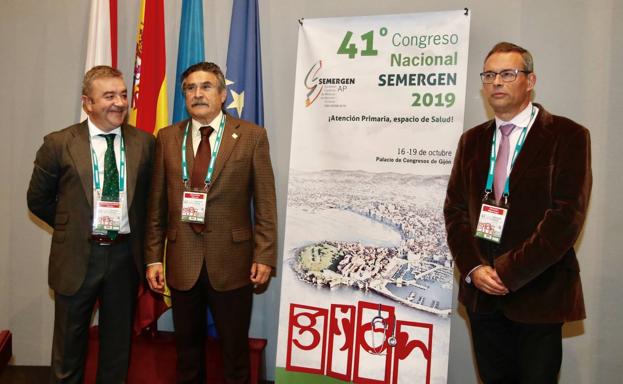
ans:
x=215 y=124
x=95 y=131
x=522 y=119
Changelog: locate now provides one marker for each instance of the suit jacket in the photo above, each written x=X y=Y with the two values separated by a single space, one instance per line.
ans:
x=61 y=194
x=550 y=186
x=232 y=238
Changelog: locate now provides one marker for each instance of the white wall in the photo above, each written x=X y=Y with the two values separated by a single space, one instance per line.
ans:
x=578 y=51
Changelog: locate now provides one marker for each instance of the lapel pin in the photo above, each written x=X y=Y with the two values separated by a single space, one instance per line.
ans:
x=234 y=135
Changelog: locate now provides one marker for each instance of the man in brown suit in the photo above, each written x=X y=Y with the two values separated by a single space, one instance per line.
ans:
x=520 y=290
x=225 y=161
x=87 y=263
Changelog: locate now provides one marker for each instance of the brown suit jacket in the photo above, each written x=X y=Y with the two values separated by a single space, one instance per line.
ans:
x=232 y=238
x=550 y=186
x=61 y=194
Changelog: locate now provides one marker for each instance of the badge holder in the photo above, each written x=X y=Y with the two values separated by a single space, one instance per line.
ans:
x=492 y=218
x=108 y=213
x=194 y=204
x=107 y=217
x=194 y=200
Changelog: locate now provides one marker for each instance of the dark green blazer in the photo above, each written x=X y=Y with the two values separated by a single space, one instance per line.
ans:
x=61 y=194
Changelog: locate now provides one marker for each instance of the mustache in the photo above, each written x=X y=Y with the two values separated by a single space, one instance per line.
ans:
x=118 y=109
x=196 y=103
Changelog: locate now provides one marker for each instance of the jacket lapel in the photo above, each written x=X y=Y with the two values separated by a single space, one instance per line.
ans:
x=538 y=135
x=132 y=156
x=483 y=155
x=80 y=151
x=190 y=153
x=231 y=135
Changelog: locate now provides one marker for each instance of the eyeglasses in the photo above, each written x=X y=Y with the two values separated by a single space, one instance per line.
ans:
x=507 y=75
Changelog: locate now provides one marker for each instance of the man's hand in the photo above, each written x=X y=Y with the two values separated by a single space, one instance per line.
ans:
x=155 y=277
x=487 y=280
x=260 y=273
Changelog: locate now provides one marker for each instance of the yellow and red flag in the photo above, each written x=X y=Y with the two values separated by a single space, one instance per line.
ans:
x=149 y=112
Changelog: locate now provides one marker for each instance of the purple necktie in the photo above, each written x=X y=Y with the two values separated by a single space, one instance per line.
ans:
x=501 y=161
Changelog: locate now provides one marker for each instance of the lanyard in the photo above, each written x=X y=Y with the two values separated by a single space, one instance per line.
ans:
x=217 y=145
x=492 y=158
x=96 y=172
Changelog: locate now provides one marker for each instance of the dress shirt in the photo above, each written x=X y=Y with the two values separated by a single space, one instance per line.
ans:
x=521 y=120
x=99 y=145
x=196 y=134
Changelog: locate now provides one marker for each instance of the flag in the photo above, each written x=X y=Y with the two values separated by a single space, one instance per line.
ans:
x=189 y=51
x=102 y=43
x=244 y=82
x=148 y=111
x=102 y=38
x=244 y=63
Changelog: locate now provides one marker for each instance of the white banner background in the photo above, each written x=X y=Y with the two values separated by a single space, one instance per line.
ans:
x=378 y=108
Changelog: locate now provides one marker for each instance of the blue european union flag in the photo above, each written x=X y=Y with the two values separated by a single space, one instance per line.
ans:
x=244 y=63
x=189 y=51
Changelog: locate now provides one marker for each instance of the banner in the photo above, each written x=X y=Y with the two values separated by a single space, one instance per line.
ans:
x=367 y=276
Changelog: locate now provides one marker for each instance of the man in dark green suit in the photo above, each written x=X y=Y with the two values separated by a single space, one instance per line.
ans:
x=92 y=259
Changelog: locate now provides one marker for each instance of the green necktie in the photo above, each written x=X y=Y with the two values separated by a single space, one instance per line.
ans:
x=110 y=191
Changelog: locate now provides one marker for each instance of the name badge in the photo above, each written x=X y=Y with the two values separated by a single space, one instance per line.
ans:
x=194 y=207
x=491 y=222
x=107 y=216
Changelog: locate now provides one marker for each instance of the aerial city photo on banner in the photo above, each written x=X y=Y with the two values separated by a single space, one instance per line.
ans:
x=367 y=275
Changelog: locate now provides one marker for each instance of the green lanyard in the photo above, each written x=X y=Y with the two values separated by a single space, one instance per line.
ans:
x=96 y=169
x=492 y=158
x=217 y=145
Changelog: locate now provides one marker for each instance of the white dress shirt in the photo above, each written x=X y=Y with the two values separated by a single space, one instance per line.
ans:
x=521 y=120
x=196 y=133
x=99 y=146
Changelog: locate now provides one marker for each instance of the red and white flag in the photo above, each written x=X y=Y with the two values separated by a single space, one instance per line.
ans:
x=102 y=43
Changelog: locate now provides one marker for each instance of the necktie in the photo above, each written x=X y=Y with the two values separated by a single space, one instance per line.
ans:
x=501 y=161
x=110 y=190
x=200 y=166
